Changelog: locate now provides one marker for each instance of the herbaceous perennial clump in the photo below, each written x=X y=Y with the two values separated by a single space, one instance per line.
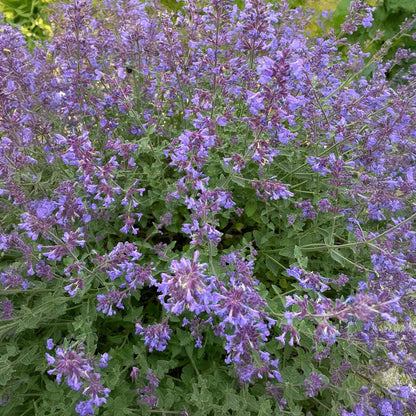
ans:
x=206 y=212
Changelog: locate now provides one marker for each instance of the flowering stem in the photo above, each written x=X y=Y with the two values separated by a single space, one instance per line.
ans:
x=324 y=152
x=370 y=62
x=318 y=246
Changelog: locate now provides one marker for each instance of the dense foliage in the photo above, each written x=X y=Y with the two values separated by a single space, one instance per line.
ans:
x=205 y=212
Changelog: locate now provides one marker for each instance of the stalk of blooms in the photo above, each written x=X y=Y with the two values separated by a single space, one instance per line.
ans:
x=314 y=384
x=6 y=308
x=147 y=393
x=156 y=336
x=78 y=370
x=187 y=288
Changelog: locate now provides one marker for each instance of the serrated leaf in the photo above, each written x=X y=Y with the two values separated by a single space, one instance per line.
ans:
x=302 y=260
x=265 y=408
x=117 y=407
x=6 y=372
x=250 y=208
x=276 y=290
x=12 y=350
x=272 y=265
x=258 y=237
x=51 y=386
x=27 y=355
x=163 y=366
x=287 y=252
x=239 y=181
x=337 y=257
x=151 y=129
x=232 y=401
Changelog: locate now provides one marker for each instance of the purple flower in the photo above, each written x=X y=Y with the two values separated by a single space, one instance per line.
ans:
x=73 y=239
x=134 y=372
x=221 y=121
x=239 y=305
x=243 y=86
x=386 y=409
x=239 y=162
x=187 y=287
x=49 y=359
x=12 y=279
x=266 y=69
x=39 y=219
x=240 y=346
x=106 y=302
x=155 y=336
x=147 y=393
x=294 y=335
x=79 y=373
x=44 y=208
x=85 y=408
x=76 y=284
x=314 y=384
x=129 y=222
x=56 y=252
x=94 y=388
x=368 y=22
x=308 y=211
x=69 y=364
x=309 y=280
x=44 y=270
x=255 y=102
x=326 y=333
x=324 y=205
x=196 y=325
x=104 y=360
x=319 y=164
x=6 y=310
x=272 y=189
x=342 y=280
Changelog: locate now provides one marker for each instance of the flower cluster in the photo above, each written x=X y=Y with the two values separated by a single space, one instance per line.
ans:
x=234 y=309
x=78 y=370
x=147 y=395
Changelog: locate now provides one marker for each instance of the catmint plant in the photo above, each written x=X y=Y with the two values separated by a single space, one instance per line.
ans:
x=206 y=210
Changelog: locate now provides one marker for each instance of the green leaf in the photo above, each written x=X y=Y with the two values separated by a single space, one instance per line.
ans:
x=302 y=260
x=232 y=401
x=12 y=350
x=276 y=290
x=239 y=181
x=251 y=207
x=265 y=408
x=349 y=386
x=6 y=371
x=273 y=266
x=287 y=252
x=51 y=386
x=338 y=258
x=117 y=407
x=151 y=129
